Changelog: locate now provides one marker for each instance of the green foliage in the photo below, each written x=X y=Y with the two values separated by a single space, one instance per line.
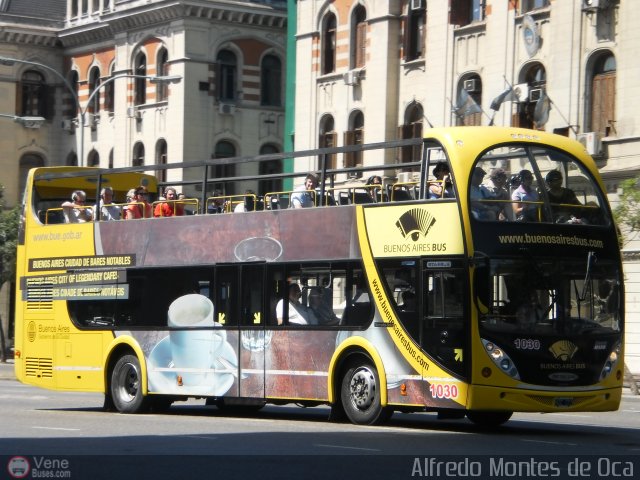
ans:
x=627 y=212
x=9 y=221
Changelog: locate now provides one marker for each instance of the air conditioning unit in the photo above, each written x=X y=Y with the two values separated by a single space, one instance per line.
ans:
x=521 y=91
x=594 y=5
x=92 y=120
x=352 y=77
x=68 y=125
x=472 y=85
x=591 y=141
x=226 y=109
x=417 y=4
x=133 y=112
x=535 y=94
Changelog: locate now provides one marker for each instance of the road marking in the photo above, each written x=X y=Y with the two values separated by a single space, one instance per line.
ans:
x=346 y=448
x=552 y=443
x=58 y=428
x=9 y=396
x=205 y=437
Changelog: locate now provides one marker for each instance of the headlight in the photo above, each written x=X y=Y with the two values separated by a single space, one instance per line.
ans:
x=612 y=361
x=501 y=359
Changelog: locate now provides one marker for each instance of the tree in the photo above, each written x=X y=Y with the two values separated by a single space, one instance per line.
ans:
x=627 y=213
x=9 y=221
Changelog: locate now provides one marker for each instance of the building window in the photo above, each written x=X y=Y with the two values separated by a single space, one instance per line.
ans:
x=358 y=37
x=140 y=69
x=465 y=12
x=138 y=155
x=161 y=159
x=603 y=96
x=354 y=136
x=271 y=81
x=111 y=158
x=72 y=159
x=94 y=85
x=328 y=139
x=412 y=128
x=529 y=5
x=162 y=69
x=329 y=44
x=467 y=109
x=415 y=30
x=69 y=102
x=110 y=94
x=27 y=162
x=535 y=78
x=227 y=68
x=224 y=149
x=34 y=95
x=270 y=167
x=93 y=159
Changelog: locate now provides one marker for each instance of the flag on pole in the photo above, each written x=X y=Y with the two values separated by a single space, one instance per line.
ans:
x=505 y=96
x=541 y=112
x=466 y=105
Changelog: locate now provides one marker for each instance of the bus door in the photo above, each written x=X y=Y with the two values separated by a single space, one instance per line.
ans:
x=444 y=331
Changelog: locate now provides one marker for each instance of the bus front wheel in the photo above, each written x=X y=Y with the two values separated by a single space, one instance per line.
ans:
x=360 y=395
x=126 y=385
x=488 y=419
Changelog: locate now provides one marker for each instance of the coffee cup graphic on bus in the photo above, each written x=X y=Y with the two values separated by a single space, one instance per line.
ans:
x=194 y=342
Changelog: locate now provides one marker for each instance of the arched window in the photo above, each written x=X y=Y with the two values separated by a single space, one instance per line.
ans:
x=602 y=111
x=70 y=103
x=34 y=95
x=358 y=37
x=111 y=158
x=271 y=81
x=161 y=159
x=468 y=110
x=162 y=69
x=328 y=138
x=416 y=26
x=93 y=159
x=270 y=167
x=224 y=149
x=27 y=162
x=94 y=85
x=411 y=128
x=138 y=155
x=72 y=160
x=329 y=43
x=354 y=136
x=140 y=68
x=110 y=93
x=535 y=77
x=227 y=72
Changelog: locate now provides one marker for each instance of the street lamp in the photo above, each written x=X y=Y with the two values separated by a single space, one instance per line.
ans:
x=26 y=122
x=82 y=112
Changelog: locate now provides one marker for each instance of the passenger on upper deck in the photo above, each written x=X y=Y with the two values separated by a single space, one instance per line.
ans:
x=171 y=207
x=480 y=210
x=560 y=198
x=76 y=211
x=374 y=182
x=217 y=204
x=496 y=186
x=442 y=186
x=139 y=207
x=525 y=210
x=108 y=211
x=303 y=198
x=298 y=313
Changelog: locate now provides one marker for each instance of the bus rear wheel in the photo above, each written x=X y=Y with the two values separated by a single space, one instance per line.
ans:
x=126 y=385
x=488 y=419
x=360 y=395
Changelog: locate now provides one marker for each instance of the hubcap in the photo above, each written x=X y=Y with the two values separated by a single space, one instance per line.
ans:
x=362 y=388
x=129 y=382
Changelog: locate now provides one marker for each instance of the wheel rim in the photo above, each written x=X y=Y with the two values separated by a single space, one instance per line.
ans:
x=128 y=382
x=362 y=388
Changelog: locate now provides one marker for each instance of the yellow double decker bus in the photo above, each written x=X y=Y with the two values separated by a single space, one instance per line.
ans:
x=480 y=277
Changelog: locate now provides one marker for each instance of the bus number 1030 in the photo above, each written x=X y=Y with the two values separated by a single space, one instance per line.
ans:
x=443 y=391
x=527 y=344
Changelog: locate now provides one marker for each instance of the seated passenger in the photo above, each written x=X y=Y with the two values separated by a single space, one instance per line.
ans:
x=298 y=313
x=170 y=208
x=217 y=204
x=561 y=198
x=408 y=301
x=139 y=207
x=76 y=211
x=523 y=208
x=321 y=310
x=496 y=186
x=374 y=184
x=479 y=209
x=108 y=211
x=303 y=198
x=442 y=186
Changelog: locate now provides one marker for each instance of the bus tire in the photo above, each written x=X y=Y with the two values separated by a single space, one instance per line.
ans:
x=488 y=419
x=126 y=385
x=360 y=395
